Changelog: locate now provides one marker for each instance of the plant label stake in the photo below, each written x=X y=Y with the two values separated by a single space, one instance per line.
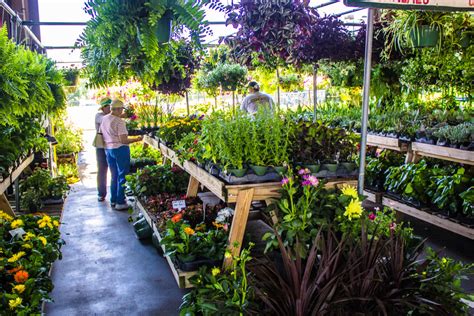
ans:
x=17 y=232
x=179 y=205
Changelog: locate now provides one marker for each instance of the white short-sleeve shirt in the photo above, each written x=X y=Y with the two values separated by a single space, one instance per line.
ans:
x=112 y=127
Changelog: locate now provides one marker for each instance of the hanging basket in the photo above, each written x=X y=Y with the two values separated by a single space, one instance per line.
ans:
x=424 y=36
x=163 y=28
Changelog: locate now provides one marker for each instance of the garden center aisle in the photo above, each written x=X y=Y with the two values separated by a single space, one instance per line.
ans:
x=105 y=269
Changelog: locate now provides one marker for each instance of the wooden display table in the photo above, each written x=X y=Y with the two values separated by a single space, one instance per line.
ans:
x=242 y=195
x=387 y=143
x=440 y=152
x=12 y=179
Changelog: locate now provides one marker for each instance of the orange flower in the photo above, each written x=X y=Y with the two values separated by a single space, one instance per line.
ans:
x=21 y=276
x=189 y=231
x=15 y=270
x=176 y=218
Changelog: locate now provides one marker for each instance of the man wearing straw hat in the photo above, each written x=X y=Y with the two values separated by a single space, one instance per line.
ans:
x=117 y=151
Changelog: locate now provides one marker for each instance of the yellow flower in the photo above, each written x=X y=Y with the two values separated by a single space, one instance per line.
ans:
x=28 y=236
x=189 y=231
x=45 y=221
x=14 y=303
x=20 y=288
x=353 y=210
x=350 y=191
x=5 y=216
x=17 y=223
x=228 y=255
x=43 y=240
x=215 y=271
x=56 y=223
x=16 y=256
x=27 y=246
x=444 y=261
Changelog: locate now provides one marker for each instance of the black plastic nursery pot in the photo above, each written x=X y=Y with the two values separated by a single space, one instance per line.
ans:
x=142 y=229
x=196 y=264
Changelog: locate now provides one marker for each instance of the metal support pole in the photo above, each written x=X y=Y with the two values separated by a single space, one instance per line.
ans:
x=278 y=87
x=366 y=97
x=187 y=102
x=315 y=91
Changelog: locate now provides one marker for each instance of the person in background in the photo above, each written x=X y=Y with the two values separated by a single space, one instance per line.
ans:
x=256 y=99
x=102 y=165
x=117 y=151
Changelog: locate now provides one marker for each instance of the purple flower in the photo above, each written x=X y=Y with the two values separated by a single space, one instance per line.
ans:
x=306 y=183
x=284 y=181
x=372 y=216
x=393 y=226
x=201 y=117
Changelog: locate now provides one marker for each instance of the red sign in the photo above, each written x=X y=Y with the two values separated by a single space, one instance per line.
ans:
x=444 y=5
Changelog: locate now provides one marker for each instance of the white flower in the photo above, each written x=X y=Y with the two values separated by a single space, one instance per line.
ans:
x=224 y=214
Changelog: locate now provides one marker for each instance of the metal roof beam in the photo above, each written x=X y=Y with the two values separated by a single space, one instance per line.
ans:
x=350 y=11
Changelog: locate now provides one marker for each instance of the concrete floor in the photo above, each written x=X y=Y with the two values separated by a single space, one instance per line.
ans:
x=105 y=270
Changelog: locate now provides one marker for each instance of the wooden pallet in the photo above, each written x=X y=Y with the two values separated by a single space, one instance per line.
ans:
x=429 y=218
x=440 y=152
x=181 y=277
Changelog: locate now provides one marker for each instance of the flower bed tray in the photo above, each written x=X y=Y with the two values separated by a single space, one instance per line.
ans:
x=429 y=218
x=181 y=277
x=250 y=178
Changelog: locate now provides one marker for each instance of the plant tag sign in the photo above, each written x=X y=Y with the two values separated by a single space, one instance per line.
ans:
x=17 y=232
x=442 y=5
x=179 y=204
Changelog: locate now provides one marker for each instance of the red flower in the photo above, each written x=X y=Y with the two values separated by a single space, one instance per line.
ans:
x=176 y=218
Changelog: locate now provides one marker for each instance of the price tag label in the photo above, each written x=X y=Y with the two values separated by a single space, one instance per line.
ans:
x=179 y=204
x=17 y=232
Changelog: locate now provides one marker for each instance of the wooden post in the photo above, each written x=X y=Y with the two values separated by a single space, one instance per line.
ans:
x=193 y=187
x=5 y=205
x=239 y=222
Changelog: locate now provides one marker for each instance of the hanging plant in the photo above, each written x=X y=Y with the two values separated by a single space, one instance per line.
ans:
x=175 y=76
x=270 y=32
x=124 y=38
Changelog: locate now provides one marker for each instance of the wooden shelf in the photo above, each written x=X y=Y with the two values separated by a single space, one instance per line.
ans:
x=387 y=143
x=441 y=152
x=429 y=218
x=15 y=174
x=181 y=277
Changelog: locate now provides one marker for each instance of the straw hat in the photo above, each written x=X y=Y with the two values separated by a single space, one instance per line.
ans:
x=117 y=104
